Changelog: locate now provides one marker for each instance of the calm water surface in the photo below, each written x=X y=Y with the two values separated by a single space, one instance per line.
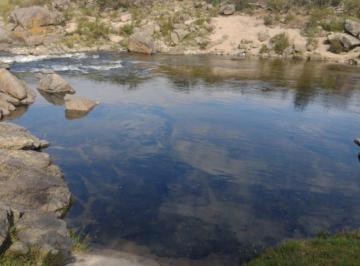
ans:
x=204 y=160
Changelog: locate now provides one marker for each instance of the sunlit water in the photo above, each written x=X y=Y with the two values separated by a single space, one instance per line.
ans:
x=204 y=160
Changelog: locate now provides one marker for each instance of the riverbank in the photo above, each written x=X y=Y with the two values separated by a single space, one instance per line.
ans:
x=183 y=27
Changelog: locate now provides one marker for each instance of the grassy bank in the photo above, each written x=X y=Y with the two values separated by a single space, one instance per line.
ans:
x=340 y=249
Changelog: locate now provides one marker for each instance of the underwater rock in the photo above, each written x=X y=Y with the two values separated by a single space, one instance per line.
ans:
x=357 y=141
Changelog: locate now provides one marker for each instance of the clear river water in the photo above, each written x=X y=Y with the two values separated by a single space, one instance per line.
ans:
x=202 y=160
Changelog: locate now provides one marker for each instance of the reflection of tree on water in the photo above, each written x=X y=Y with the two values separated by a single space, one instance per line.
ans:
x=308 y=80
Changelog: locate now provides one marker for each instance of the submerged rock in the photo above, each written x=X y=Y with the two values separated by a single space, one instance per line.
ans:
x=357 y=141
x=53 y=83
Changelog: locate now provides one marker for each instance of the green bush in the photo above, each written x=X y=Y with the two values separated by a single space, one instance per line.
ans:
x=352 y=7
x=93 y=31
x=127 y=29
x=280 y=43
x=278 y=5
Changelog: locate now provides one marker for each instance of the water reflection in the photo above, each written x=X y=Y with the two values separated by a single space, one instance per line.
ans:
x=205 y=165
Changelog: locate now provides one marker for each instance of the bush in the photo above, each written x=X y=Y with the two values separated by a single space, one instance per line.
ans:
x=268 y=20
x=352 y=7
x=92 y=30
x=127 y=29
x=278 y=5
x=280 y=43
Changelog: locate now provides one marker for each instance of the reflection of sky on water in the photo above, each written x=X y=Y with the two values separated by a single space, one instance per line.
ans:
x=195 y=162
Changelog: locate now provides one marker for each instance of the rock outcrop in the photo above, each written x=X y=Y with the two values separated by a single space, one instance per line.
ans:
x=33 y=197
x=347 y=41
x=352 y=27
x=52 y=83
x=77 y=107
x=35 y=16
x=141 y=43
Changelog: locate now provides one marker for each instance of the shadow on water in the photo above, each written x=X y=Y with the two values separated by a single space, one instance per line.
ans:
x=204 y=161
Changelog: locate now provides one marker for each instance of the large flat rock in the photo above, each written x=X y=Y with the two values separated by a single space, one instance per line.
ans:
x=13 y=137
x=30 y=180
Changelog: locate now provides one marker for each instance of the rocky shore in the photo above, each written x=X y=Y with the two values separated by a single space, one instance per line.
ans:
x=33 y=194
x=33 y=198
x=182 y=27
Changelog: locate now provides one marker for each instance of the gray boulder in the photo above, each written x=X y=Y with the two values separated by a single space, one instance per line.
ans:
x=77 y=107
x=29 y=179
x=35 y=16
x=352 y=27
x=227 y=9
x=347 y=41
x=11 y=85
x=44 y=231
x=52 y=83
x=141 y=43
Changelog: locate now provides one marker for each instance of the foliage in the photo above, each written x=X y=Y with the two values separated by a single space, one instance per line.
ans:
x=127 y=29
x=92 y=30
x=80 y=244
x=280 y=42
x=33 y=258
x=340 y=249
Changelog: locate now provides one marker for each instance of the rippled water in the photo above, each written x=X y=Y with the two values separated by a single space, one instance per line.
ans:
x=204 y=160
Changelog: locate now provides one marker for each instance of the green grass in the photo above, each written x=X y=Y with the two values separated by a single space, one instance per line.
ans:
x=342 y=249
x=33 y=258
x=80 y=243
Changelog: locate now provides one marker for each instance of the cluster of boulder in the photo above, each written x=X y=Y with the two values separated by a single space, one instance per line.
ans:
x=27 y=26
x=33 y=198
x=348 y=40
x=59 y=92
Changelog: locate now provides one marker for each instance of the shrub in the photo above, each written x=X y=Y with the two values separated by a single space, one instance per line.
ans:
x=268 y=20
x=127 y=29
x=280 y=43
x=264 y=49
x=352 y=7
x=92 y=30
x=278 y=5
